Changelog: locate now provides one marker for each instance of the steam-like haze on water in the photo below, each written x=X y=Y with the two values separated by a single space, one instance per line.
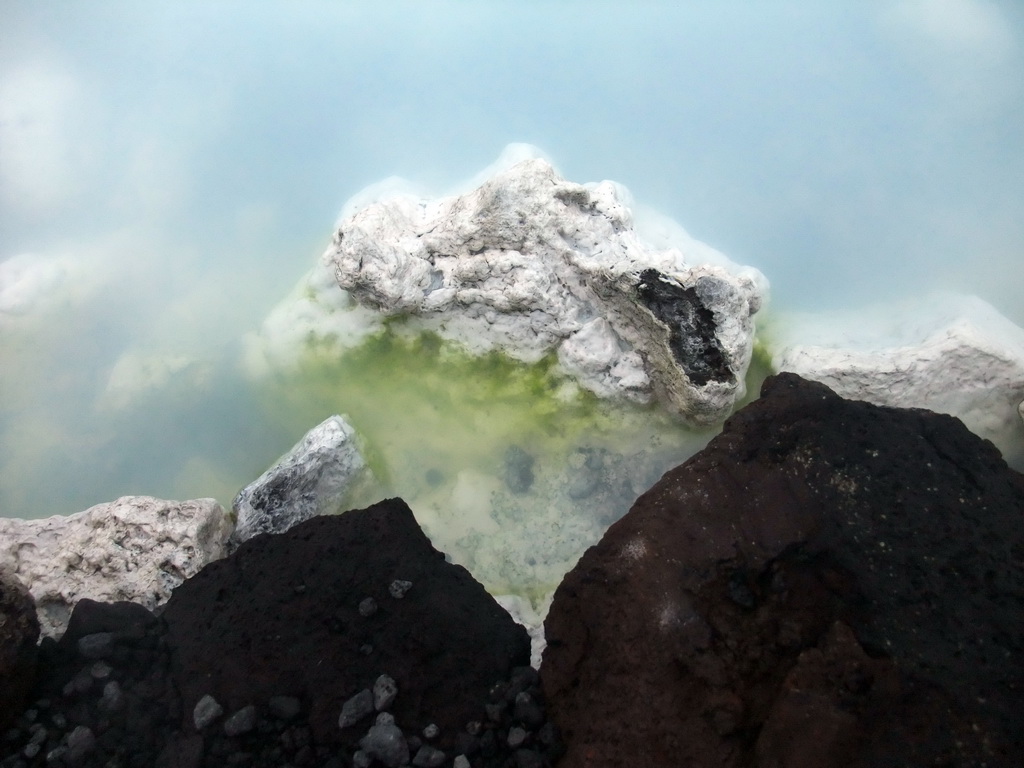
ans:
x=169 y=170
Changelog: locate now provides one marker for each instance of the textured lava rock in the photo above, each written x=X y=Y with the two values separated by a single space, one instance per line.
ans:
x=281 y=618
x=19 y=631
x=828 y=583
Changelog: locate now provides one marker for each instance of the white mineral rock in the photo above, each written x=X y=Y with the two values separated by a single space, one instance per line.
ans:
x=949 y=354
x=309 y=480
x=136 y=548
x=529 y=263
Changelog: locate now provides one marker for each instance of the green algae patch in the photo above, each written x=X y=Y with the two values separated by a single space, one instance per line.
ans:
x=510 y=468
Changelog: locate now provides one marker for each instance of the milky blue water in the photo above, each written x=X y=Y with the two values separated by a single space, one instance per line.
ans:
x=169 y=171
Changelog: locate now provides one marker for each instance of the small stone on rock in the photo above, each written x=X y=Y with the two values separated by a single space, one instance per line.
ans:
x=207 y=710
x=387 y=744
x=243 y=721
x=384 y=692
x=356 y=708
x=113 y=697
x=384 y=718
x=398 y=588
x=101 y=670
x=96 y=646
x=368 y=607
x=428 y=757
x=431 y=732
x=516 y=737
x=81 y=742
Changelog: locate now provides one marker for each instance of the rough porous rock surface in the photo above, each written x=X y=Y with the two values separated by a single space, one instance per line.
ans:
x=136 y=548
x=530 y=263
x=829 y=583
x=949 y=354
x=321 y=611
x=310 y=480
x=118 y=688
x=19 y=631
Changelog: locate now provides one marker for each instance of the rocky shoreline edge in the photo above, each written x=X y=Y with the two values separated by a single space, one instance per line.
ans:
x=828 y=583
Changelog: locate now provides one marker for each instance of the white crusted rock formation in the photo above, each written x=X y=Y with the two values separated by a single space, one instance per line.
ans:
x=309 y=480
x=136 y=548
x=950 y=354
x=531 y=264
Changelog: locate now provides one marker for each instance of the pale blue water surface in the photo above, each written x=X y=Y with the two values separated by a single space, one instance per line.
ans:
x=168 y=171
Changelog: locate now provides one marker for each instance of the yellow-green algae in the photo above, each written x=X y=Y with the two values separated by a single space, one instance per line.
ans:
x=436 y=423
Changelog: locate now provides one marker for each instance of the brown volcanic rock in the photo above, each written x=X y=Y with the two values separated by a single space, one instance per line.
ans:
x=281 y=617
x=19 y=631
x=829 y=583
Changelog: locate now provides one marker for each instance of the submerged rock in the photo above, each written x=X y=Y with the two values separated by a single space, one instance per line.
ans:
x=530 y=264
x=949 y=354
x=136 y=548
x=309 y=480
x=829 y=583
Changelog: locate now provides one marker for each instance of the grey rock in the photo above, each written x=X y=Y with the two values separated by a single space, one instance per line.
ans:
x=384 y=692
x=310 y=480
x=362 y=760
x=384 y=718
x=56 y=755
x=31 y=750
x=101 y=670
x=516 y=737
x=431 y=732
x=206 y=711
x=81 y=742
x=96 y=646
x=284 y=707
x=461 y=761
x=428 y=757
x=356 y=708
x=399 y=587
x=367 y=607
x=113 y=697
x=243 y=721
x=387 y=744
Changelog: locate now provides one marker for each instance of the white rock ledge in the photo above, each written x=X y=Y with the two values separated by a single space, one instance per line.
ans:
x=947 y=353
x=136 y=548
x=530 y=264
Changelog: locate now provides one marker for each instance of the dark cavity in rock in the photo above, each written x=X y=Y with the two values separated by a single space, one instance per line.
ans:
x=691 y=326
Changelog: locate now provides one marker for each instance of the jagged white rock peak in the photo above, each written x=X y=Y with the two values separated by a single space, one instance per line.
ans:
x=947 y=353
x=310 y=480
x=530 y=264
x=136 y=548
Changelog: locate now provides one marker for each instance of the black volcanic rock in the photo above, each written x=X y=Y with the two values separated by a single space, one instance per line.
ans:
x=19 y=631
x=829 y=583
x=281 y=617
